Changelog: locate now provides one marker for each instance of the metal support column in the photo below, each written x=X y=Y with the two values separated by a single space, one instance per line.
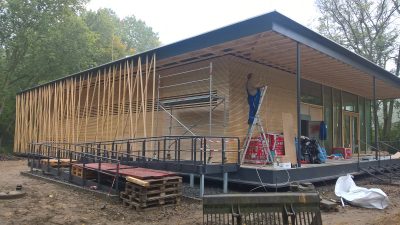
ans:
x=375 y=119
x=191 y=180
x=225 y=181
x=210 y=113
x=201 y=185
x=298 y=99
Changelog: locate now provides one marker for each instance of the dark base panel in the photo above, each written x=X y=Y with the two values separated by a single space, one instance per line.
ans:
x=282 y=178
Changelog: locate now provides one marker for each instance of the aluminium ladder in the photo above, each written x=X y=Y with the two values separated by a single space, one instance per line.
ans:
x=257 y=123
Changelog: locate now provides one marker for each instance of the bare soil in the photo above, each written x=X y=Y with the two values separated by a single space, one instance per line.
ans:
x=47 y=203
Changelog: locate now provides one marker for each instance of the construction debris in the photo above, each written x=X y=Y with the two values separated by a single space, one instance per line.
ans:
x=328 y=205
x=18 y=193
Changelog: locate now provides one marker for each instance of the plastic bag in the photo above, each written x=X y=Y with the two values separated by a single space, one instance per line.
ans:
x=373 y=198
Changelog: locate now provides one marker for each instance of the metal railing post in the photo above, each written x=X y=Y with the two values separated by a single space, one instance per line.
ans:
x=223 y=151
x=238 y=148
x=176 y=149
x=194 y=151
x=98 y=173
x=30 y=157
x=164 y=148
x=191 y=149
x=158 y=149
x=98 y=150
x=105 y=152
x=117 y=178
x=128 y=150
x=144 y=151
x=58 y=161
x=48 y=158
x=179 y=149
x=70 y=165
x=84 y=170
x=112 y=150
x=204 y=151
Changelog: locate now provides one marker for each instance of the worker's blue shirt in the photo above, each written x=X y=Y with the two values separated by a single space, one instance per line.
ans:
x=254 y=101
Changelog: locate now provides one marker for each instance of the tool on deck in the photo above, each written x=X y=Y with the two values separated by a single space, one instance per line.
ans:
x=258 y=123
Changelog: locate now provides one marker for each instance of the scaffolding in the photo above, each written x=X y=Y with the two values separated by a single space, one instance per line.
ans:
x=209 y=98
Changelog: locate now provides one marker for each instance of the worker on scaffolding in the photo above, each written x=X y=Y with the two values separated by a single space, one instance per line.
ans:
x=253 y=97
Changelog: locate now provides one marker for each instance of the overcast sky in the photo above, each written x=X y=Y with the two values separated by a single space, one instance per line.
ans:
x=175 y=20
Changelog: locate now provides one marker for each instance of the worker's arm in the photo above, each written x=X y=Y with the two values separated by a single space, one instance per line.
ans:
x=261 y=86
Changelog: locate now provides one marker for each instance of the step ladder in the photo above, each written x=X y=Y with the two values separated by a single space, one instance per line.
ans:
x=257 y=123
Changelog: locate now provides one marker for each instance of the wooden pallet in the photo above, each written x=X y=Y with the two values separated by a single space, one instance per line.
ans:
x=79 y=172
x=158 y=182
x=166 y=191
x=54 y=162
x=140 y=195
x=149 y=205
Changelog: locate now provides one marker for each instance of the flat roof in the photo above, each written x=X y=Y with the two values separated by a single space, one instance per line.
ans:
x=272 y=21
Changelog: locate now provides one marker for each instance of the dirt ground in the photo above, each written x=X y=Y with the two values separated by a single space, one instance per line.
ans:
x=47 y=203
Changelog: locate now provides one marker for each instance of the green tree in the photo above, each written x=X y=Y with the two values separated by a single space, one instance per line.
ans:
x=41 y=40
x=137 y=35
x=35 y=46
x=118 y=38
x=370 y=29
x=104 y=23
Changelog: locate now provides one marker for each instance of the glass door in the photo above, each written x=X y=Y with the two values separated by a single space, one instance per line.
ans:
x=351 y=137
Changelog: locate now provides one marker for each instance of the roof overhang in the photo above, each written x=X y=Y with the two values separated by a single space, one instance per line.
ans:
x=271 y=39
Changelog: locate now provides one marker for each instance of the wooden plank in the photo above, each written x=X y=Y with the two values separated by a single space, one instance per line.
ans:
x=289 y=135
x=137 y=181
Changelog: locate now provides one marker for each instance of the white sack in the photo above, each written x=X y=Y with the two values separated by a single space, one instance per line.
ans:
x=359 y=196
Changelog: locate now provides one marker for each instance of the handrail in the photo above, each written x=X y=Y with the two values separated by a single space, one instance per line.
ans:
x=195 y=149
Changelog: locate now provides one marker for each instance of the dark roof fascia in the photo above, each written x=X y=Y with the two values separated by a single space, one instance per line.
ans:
x=303 y=35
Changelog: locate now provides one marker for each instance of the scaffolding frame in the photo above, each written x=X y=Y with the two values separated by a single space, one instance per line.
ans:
x=205 y=97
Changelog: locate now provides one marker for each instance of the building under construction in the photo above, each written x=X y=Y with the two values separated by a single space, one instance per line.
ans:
x=183 y=107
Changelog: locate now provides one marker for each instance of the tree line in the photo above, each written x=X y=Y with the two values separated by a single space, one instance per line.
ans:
x=41 y=40
x=369 y=28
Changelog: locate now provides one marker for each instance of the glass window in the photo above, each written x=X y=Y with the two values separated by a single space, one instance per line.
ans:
x=361 y=107
x=311 y=92
x=327 y=96
x=350 y=102
x=368 y=123
x=337 y=118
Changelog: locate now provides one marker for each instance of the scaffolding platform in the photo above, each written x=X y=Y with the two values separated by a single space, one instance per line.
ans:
x=193 y=99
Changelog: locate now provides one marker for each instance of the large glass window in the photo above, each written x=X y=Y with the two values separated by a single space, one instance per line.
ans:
x=350 y=102
x=311 y=92
x=327 y=96
x=337 y=118
x=361 y=110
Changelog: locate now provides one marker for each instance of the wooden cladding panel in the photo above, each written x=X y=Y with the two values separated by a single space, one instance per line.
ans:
x=281 y=96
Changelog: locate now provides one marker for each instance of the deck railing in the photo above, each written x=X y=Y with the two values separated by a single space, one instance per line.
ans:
x=196 y=150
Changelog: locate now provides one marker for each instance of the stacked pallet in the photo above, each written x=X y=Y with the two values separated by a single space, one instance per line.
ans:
x=145 y=194
x=54 y=162
x=79 y=171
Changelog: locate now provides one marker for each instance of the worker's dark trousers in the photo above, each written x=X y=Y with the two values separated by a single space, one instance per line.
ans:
x=254 y=101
